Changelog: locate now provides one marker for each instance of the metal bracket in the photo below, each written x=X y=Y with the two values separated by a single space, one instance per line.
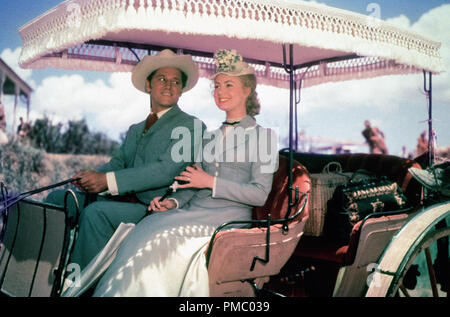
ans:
x=267 y=256
x=285 y=229
x=292 y=204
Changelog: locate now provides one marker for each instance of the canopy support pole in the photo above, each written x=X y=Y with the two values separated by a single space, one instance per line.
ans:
x=289 y=68
x=427 y=87
x=298 y=98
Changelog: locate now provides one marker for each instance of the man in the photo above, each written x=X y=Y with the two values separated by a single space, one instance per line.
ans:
x=143 y=167
x=2 y=117
x=3 y=136
x=422 y=144
x=23 y=129
x=375 y=138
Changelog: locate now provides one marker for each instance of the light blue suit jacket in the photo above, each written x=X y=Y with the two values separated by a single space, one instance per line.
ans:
x=243 y=169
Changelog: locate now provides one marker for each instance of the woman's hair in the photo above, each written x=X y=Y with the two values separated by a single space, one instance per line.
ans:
x=252 y=105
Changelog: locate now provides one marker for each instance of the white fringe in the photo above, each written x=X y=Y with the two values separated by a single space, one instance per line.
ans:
x=74 y=22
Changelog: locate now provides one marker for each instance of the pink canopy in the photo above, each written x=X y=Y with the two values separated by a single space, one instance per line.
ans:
x=336 y=45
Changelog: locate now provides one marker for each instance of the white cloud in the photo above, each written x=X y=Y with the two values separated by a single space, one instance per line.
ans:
x=435 y=24
x=109 y=107
x=402 y=21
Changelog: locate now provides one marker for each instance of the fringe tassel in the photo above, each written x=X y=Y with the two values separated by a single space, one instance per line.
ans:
x=305 y=24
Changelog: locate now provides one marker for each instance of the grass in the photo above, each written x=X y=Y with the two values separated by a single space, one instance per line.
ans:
x=24 y=168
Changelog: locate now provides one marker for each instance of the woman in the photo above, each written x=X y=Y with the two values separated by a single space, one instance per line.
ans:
x=164 y=254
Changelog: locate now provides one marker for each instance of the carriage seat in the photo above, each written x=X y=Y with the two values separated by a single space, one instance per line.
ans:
x=393 y=167
x=233 y=251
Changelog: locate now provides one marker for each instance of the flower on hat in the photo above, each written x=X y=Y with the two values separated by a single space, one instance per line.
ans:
x=231 y=63
x=227 y=60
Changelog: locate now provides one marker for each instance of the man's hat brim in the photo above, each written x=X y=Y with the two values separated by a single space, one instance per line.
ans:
x=165 y=58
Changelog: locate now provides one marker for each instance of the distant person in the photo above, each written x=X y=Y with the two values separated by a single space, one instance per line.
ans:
x=3 y=136
x=422 y=144
x=404 y=151
x=374 y=138
x=2 y=118
x=23 y=129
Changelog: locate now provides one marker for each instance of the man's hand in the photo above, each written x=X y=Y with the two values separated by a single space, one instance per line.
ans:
x=156 y=205
x=91 y=181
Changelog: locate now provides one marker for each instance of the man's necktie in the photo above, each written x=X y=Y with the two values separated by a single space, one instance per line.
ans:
x=151 y=119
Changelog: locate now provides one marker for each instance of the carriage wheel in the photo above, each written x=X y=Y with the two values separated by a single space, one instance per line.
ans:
x=416 y=262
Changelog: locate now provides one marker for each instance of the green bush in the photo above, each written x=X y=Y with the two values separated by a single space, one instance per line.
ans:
x=76 y=139
x=20 y=166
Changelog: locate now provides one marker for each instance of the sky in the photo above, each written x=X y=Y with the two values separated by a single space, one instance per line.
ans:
x=334 y=111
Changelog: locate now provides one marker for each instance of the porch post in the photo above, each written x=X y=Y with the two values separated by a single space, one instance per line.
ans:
x=28 y=108
x=2 y=82
x=16 y=101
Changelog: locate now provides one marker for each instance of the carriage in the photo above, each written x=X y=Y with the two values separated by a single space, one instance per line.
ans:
x=286 y=251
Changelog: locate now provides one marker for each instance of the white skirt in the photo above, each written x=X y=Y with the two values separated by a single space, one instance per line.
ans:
x=163 y=256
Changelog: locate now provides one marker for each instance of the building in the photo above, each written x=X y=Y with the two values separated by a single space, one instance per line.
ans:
x=12 y=84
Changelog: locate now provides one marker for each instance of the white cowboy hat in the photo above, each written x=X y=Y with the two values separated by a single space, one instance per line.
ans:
x=165 y=58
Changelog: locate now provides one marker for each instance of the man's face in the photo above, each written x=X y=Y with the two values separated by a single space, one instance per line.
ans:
x=165 y=88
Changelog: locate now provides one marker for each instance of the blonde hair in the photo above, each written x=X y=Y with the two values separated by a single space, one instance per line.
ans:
x=252 y=105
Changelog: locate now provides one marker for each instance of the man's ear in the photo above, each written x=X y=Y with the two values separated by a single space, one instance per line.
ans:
x=147 y=86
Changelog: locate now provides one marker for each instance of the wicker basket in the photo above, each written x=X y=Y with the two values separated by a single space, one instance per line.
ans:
x=322 y=189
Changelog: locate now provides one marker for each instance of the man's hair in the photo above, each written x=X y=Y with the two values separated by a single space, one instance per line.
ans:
x=183 y=77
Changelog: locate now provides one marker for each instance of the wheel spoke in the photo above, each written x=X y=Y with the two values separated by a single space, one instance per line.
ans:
x=431 y=273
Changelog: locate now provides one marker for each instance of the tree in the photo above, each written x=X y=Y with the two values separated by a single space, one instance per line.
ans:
x=77 y=139
x=44 y=135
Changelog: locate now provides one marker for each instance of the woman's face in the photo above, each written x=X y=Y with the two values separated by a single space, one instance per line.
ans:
x=230 y=95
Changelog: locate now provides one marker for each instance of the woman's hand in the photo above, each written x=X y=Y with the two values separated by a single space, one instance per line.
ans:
x=156 y=205
x=196 y=177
